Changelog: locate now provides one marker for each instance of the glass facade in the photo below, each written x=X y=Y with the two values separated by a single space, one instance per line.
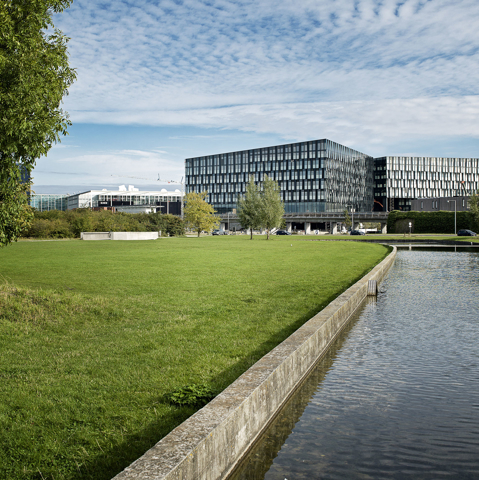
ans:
x=166 y=202
x=398 y=180
x=315 y=176
x=46 y=202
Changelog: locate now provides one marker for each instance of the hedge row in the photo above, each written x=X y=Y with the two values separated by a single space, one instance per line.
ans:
x=429 y=222
x=69 y=224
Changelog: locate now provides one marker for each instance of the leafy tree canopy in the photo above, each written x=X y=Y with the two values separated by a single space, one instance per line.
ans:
x=34 y=77
x=249 y=206
x=199 y=214
x=347 y=219
x=272 y=208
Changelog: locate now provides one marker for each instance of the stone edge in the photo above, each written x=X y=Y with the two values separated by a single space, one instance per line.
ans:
x=211 y=442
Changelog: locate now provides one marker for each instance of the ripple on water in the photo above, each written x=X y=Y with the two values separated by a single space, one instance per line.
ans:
x=397 y=395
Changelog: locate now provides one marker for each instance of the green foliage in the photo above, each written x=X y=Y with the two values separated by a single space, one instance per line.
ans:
x=271 y=207
x=70 y=224
x=34 y=77
x=167 y=224
x=249 y=206
x=193 y=395
x=261 y=206
x=474 y=208
x=15 y=214
x=347 y=219
x=199 y=214
x=428 y=222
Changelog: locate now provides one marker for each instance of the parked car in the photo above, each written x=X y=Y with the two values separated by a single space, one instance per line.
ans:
x=219 y=232
x=466 y=233
x=282 y=232
x=356 y=232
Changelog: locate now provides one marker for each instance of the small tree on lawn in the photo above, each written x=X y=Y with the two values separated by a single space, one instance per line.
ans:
x=347 y=219
x=272 y=208
x=199 y=214
x=249 y=206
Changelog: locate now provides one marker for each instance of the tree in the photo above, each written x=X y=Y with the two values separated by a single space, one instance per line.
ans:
x=347 y=219
x=249 y=206
x=34 y=77
x=168 y=225
x=199 y=214
x=474 y=208
x=271 y=207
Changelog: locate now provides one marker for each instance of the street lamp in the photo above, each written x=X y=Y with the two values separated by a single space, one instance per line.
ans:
x=410 y=225
x=455 y=214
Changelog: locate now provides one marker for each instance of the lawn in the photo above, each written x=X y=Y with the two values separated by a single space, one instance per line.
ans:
x=95 y=335
x=391 y=237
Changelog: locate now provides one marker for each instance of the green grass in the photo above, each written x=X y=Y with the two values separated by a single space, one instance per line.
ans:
x=437 y=237
x=95 y=336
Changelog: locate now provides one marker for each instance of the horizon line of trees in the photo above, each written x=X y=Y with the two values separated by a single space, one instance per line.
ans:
x=70 y=223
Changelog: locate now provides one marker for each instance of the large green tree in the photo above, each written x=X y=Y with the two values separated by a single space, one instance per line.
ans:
x=249 y=206
x=34 y=77
x=271 y=206
x=199 y=214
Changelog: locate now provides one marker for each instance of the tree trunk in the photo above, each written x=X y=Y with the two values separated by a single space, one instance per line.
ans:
x=251 y=230
x=267 y=234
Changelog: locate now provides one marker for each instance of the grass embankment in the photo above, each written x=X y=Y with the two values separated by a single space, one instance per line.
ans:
x=94 y=335
x=391 y=237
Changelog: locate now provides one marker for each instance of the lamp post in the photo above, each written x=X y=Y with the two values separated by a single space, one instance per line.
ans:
x=455 y=214
x=410 y=225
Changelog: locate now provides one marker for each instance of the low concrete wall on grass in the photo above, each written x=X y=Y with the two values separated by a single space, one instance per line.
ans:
x=95 y=236
x=134 y=235
x=119 y=235
x=211 y=442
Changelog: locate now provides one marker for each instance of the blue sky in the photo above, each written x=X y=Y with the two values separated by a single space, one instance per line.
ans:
x=160 y=81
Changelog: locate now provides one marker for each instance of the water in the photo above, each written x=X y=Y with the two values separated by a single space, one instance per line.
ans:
x=397 y=396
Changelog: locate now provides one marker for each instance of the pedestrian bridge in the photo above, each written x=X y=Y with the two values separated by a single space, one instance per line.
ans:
x=309 y=222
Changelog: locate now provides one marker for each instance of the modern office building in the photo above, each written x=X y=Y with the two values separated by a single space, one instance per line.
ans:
x=399 y=180
x=323 y=176
x=46 y=202
x=456 y=203
x=130 y=200
x=315 y=176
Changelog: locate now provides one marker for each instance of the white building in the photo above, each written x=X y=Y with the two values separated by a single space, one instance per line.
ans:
x=130 y=200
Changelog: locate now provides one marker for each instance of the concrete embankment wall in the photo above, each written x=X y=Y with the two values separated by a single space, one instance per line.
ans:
x=210 y=443
x=119 y=235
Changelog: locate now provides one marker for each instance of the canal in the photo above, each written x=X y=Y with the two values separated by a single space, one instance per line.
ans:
x=397 y=395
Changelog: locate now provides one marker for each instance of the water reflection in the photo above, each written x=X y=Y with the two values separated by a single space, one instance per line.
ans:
x=398 y=393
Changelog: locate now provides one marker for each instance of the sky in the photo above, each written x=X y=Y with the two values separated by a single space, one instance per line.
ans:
x=161 y=81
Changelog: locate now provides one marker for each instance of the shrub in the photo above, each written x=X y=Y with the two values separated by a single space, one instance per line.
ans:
x=428 y=222
x=58 y=224
x=193 y=395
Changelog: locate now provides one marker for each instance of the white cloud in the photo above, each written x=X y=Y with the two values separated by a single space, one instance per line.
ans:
x=359 y=123
x=131 y=166
x=370 y=74
x=176 y=62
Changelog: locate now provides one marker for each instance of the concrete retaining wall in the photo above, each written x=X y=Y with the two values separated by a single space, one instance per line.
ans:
x=210 y=443
x=95 y=236
x=119 y=235
x=134 y=235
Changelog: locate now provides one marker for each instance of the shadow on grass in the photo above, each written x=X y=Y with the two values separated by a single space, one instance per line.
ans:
x=118 y=457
